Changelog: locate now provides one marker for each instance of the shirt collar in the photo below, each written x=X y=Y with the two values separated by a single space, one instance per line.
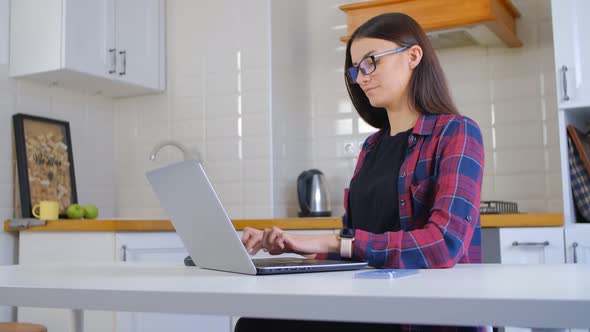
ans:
x=425 y=124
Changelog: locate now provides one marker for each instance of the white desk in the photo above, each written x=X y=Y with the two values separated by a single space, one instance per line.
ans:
x=553 y=296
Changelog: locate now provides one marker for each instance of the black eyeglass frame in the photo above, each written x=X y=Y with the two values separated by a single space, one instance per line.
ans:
x=353 y=72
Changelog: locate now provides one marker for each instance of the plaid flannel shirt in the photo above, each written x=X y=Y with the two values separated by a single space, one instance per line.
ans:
x=439 y=188
x=439 y=193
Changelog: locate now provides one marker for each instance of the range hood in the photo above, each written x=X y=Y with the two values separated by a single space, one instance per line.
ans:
x=448 y=23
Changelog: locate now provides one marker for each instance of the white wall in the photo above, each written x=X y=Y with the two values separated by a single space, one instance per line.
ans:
x=335 y=124
x=8 y=241
x=291 y=104
x=4 y=26
x=217 y=102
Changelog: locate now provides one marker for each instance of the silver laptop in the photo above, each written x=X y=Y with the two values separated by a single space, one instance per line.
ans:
x=188 y=198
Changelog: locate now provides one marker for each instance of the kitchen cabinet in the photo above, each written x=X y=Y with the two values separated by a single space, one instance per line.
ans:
x=113 y=47
x=524 y=245
x=160 y=248
x=66 y=247
x=572 y=49
x=577 y=244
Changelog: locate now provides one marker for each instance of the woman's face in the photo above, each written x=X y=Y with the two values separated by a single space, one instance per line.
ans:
x=388 y=84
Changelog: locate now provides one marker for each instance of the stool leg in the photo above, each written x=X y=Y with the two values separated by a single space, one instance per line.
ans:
x=77 y=320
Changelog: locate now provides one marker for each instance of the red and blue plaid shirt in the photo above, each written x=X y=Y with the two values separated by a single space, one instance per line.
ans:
x=439 y=188
x=439 y=193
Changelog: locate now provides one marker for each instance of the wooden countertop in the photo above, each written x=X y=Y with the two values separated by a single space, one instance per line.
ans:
x=145 y=225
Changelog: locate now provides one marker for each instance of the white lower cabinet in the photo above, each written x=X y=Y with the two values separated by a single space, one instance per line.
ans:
x=577 y=249
x=526 y=245
x=523 y=245
x=66 y=247
x=577 y=244
x=161 y=248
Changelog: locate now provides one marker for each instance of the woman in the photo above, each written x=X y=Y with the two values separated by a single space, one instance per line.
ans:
x=414 y=196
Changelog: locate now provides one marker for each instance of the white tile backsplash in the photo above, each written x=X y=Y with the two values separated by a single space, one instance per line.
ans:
x=256 y=148
x=256 y=193
x=223 y=150
x=186 y=85
x=329 y=127
x=471 y=92
x=520 y=161
x=222 y=83
x=255 y=103
x=518 y=110
x=229 y=193
x=222 y=107
x=223 y=171
x=553 y=183
x=256 y=170
x=520 y=186
x=191 y=108
x=218 y=89
x=256 y=125
x=513 y=136
x=220 y=128
x=525 y=86
x=255 y=80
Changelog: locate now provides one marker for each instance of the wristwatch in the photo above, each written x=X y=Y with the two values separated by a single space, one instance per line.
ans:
x=346 y=238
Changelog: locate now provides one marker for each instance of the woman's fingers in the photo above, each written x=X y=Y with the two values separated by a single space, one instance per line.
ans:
x=272 y=240
x=252 y=238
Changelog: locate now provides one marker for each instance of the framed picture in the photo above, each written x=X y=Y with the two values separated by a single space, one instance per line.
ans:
x=44 y=163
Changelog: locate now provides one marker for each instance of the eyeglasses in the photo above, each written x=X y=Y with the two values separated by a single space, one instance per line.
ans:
x=368 y=64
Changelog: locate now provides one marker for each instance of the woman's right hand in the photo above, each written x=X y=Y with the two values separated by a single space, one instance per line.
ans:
x=252 y=240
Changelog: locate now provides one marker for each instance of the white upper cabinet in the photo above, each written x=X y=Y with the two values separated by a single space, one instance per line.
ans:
x=89 y=33
x=139 y=41
x=113 y=47
x=572 y=51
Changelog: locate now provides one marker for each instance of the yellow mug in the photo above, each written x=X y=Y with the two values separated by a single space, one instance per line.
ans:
x=48 y=210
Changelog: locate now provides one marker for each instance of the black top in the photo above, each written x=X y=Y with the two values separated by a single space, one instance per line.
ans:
x=373 y=196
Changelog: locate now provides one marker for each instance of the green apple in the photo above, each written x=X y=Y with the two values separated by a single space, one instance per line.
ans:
x=90 y=212
x=75 y=211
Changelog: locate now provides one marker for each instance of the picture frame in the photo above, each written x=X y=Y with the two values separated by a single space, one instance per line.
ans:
x=44 y=163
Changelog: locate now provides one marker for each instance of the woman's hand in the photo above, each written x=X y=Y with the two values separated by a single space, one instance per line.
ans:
x=276 y=242
x=252 y=240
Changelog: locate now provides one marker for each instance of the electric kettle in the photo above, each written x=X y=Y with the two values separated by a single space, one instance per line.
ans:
x=313 y=194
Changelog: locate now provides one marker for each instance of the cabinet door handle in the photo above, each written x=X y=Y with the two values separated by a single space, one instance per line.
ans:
x=564 y=82
x=575 y=246
x=113 y=52
x=516 y=243
x=124 y=55
x=124 y=249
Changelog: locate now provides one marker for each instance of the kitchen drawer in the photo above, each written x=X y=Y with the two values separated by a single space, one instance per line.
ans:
x=524 y=245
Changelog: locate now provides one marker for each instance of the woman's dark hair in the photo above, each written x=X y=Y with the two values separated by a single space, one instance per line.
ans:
x=429 y=92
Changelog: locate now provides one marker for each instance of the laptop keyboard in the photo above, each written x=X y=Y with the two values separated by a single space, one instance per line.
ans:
x=288 y=261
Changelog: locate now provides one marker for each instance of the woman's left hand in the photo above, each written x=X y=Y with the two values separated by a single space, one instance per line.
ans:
x=276 y=242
